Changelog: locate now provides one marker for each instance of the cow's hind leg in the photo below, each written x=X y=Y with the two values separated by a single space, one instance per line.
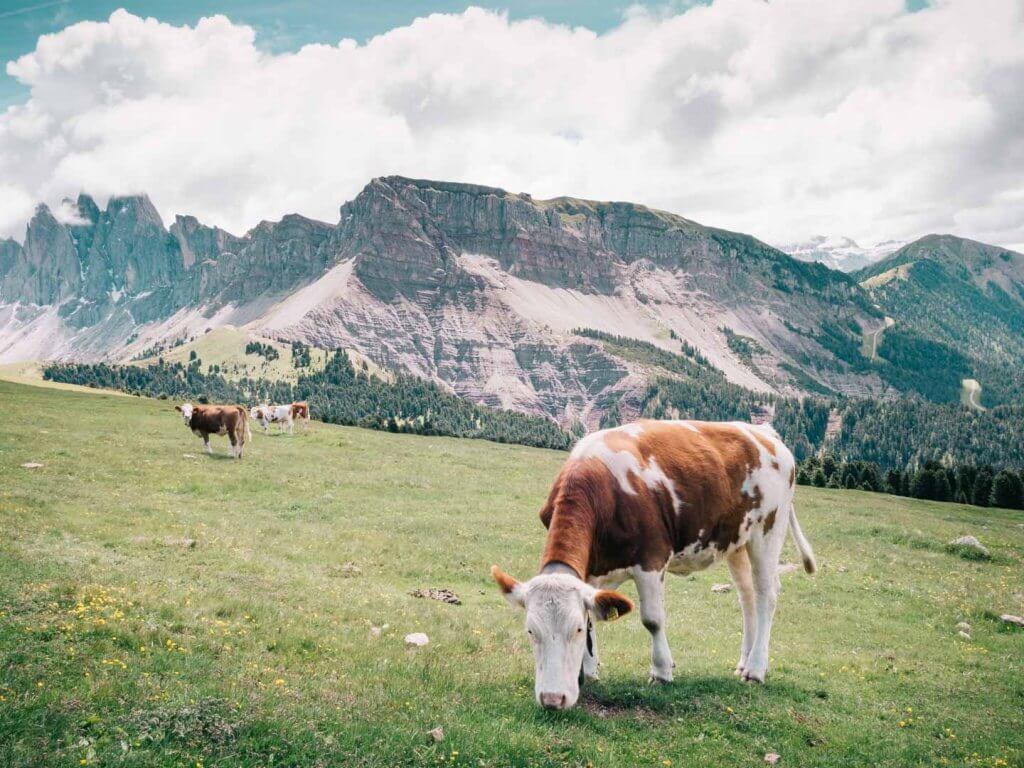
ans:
x=764 y=564
x=650 y=586
x=742 y=577
x=206 y=444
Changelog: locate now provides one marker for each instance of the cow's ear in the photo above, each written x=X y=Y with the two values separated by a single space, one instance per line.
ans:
x=511 y=589
x=177 y=407
x=608 y=605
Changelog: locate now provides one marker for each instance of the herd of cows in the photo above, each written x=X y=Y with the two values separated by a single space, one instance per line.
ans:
x=233 y=421
x=631 y=502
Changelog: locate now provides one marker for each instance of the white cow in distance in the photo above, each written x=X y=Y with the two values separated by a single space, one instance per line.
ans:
x=277 y=414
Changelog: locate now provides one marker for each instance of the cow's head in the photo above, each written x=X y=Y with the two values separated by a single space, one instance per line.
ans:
x=557 y=608
x=186 y=412
x=256 y=412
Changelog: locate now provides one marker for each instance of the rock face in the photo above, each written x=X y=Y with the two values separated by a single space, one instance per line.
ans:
x=479 y=289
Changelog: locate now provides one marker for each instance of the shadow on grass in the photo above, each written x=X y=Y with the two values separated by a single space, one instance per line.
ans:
x=642 y=704
x=217 y=456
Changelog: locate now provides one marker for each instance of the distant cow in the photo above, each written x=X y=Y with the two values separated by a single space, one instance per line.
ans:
x=301 y=411
x=206 y=420
x=274 y=414
x=639 y=500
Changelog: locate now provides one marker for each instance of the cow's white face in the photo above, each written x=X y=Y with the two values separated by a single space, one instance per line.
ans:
x=256 y=412
x=556 y=606
x=186 y=413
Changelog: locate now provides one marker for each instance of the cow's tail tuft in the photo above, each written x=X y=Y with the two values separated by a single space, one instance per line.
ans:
x=806 y=553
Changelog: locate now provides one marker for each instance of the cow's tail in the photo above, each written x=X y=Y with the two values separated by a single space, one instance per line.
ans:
x=806 y=553
x=248 y=431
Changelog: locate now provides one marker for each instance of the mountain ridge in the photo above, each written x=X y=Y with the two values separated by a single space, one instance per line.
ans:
x=476 y=288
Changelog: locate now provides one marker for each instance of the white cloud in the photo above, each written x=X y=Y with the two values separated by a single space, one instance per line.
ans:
x=784 y=119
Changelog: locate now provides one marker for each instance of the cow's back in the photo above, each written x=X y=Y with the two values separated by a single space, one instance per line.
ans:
x=664 y=487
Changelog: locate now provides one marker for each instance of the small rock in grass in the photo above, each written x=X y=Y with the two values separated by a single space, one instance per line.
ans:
x=1009 y=618
x=772 y=758
x=351 y=569
x=969 y=546
x=441 y=595
x=188 y=543
x=786 y=568
x=964 y=635
x=416 y=639
x=31 y=465
x=376 y=632
x=436 y=734
x=963 y=626
x=842 y=569
x=719 y=589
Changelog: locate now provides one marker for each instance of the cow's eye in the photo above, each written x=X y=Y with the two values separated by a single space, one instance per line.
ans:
x=578 y=630
x=529 y=631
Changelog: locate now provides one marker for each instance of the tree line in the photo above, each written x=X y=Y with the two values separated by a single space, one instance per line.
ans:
x=982 y=486
x=339 y=394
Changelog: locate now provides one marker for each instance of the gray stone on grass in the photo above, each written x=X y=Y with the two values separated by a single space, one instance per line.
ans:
x=970 y=547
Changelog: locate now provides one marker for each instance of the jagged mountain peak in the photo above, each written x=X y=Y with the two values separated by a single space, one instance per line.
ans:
x=840 y=252
x=477 y=288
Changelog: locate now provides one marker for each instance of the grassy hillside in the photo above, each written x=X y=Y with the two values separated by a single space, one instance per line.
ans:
x=225 y=347
x=959 y=309
x=160 y=607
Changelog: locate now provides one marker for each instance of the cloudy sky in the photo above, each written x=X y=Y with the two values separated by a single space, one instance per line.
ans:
x=785 y=119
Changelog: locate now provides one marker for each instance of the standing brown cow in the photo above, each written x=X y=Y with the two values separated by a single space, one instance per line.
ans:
x=206 y=420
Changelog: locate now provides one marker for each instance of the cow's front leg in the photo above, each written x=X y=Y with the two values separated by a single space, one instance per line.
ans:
x=590 y=662
x=650 y=586
x=206 y=443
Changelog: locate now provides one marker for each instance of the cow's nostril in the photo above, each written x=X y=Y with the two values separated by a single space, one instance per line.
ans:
x=552 y=700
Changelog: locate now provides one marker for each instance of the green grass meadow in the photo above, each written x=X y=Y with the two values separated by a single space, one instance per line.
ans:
x=159 y=607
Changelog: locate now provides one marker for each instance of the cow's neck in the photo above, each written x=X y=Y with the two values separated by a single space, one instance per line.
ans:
x=570 y=540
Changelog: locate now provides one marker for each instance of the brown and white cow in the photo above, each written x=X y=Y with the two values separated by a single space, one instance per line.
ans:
x=273 y=414
x=300 y=410
x=206 y=420
x=639 y=500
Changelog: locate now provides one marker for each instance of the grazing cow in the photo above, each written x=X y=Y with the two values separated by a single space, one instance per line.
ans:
x=639 y=500
x=206 y=420
x=276 y=414
x=301 y=411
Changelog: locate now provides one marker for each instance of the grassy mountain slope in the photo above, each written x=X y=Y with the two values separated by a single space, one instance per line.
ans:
x=959 y=311
x=159 y=607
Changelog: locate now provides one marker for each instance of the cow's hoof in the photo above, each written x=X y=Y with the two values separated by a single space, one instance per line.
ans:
x=657 y=679
x=752 y=677
x=739 y=670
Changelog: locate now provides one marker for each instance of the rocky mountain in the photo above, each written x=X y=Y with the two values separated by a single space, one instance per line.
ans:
x=479 y=289
x=840 y=253
x=958 y=307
